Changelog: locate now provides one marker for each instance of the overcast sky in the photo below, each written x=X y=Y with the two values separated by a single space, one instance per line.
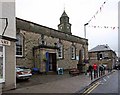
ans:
x=48 y=12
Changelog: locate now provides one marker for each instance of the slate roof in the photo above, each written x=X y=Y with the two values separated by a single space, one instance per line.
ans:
x=37 y=28
x=100 y=48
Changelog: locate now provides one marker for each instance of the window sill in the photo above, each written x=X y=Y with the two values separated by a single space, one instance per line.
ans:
x=2 y=81
x=73 y=59
x=19 y=56
x=60 y=58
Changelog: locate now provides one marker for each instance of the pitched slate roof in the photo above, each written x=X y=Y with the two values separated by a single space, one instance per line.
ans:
x=100 y=48
x=37 y=28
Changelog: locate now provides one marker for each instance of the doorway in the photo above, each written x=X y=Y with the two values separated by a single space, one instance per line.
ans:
x=52 y=62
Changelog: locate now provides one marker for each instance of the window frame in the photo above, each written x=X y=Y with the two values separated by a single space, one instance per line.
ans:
x=22 y=41
x=3 y=71
x=60 y=50
x=73 y=52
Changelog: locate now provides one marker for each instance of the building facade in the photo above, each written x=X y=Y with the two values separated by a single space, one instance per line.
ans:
x=49 y=49
x=102 y=54
x=7 y=45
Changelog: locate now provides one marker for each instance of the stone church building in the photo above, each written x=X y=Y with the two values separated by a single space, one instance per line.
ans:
x=49 y=49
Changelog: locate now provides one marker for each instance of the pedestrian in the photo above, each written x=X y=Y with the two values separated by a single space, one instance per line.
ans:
x=86 y=68
x=95 y=68
x=90 y=69
x=100 y=70
x=103 y=69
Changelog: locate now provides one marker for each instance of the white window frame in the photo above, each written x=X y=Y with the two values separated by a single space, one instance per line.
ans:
x=3 y=79
x=21 y=44
x=73 y=52
x=60 y=51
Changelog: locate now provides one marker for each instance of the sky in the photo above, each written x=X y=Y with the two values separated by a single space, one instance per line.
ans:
x=80 y=12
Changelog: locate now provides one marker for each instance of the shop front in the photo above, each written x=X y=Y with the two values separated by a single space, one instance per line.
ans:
x=2 y=64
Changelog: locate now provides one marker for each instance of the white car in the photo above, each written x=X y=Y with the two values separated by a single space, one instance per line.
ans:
x=23 y=73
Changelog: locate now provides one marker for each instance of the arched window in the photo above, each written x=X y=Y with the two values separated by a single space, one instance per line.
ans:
x=73 y=52
x=19 y=45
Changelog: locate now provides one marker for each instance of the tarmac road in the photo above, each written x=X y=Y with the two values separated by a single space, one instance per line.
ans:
x=56 y=84
x=41 y=79
x=106 y=85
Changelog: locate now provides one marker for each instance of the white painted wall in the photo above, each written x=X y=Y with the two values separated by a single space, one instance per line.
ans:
x=119 y=29
x=7 y=10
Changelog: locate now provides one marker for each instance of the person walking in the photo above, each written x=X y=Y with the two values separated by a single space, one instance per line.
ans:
x=95 y=70
x=90 y=69
x=100 y=70
x=103 y=69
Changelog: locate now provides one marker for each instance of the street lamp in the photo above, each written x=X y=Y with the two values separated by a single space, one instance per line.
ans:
x=85 y=36
x=85 y=29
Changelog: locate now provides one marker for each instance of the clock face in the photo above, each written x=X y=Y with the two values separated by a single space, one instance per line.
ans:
x=67 y=27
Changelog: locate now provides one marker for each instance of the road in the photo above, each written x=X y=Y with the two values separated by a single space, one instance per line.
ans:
x=108 y=85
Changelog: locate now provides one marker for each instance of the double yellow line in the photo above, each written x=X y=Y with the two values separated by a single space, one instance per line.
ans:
x=86 y=92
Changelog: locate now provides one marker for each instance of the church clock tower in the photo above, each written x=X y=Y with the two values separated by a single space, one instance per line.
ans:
x=64 y=25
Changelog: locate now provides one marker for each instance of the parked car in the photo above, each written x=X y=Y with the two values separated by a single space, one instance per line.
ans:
x=23 y=73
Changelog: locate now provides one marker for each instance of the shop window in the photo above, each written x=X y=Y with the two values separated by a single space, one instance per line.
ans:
x=73 y=52
x=2 y=64
x=19 y=45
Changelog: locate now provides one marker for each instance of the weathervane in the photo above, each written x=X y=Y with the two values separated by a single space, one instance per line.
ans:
x=64 y=6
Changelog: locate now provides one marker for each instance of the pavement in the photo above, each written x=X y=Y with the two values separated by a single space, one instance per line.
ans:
x=57 y=84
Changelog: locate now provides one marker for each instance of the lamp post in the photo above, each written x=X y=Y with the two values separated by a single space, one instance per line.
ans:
x=85 y=29
x=85 y=38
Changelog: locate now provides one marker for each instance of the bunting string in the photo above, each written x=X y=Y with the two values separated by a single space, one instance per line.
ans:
x=94 y=16
x=97 y=12
x=104 y=27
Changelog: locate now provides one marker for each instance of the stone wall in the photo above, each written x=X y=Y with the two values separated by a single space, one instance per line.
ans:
x=30 y=40
x=108 y=62
x=34 y=39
